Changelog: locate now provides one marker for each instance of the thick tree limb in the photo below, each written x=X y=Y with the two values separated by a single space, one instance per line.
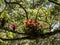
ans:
x=4 y=39
x=54 y=2
x=19 y=5
x=46 y=35
x=12 y=39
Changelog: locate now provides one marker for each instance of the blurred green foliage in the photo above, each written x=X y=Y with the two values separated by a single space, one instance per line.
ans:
x=46 y=12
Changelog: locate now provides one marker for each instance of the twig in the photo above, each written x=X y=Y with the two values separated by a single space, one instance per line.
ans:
x=54 y=2
x=45 y=18
x=19 y=5
x=37 y=13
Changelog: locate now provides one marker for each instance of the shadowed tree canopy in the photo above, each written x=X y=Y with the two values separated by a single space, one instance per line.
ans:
x=35 y=21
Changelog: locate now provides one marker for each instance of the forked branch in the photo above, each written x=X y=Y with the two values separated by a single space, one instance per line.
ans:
x=19 y=5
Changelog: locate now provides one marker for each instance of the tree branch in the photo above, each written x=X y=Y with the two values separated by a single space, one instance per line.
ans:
x=54 y=2
x=46 y=35
x=4 y=39
x=13 y=31
x=12 y=39
x=19 y=5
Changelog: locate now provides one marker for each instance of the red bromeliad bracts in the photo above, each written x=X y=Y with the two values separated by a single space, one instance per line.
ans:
x=32 y=23
x=32 y=27
x=13 y=26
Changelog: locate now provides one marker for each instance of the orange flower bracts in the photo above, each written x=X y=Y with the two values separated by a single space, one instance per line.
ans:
x=32 y=23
